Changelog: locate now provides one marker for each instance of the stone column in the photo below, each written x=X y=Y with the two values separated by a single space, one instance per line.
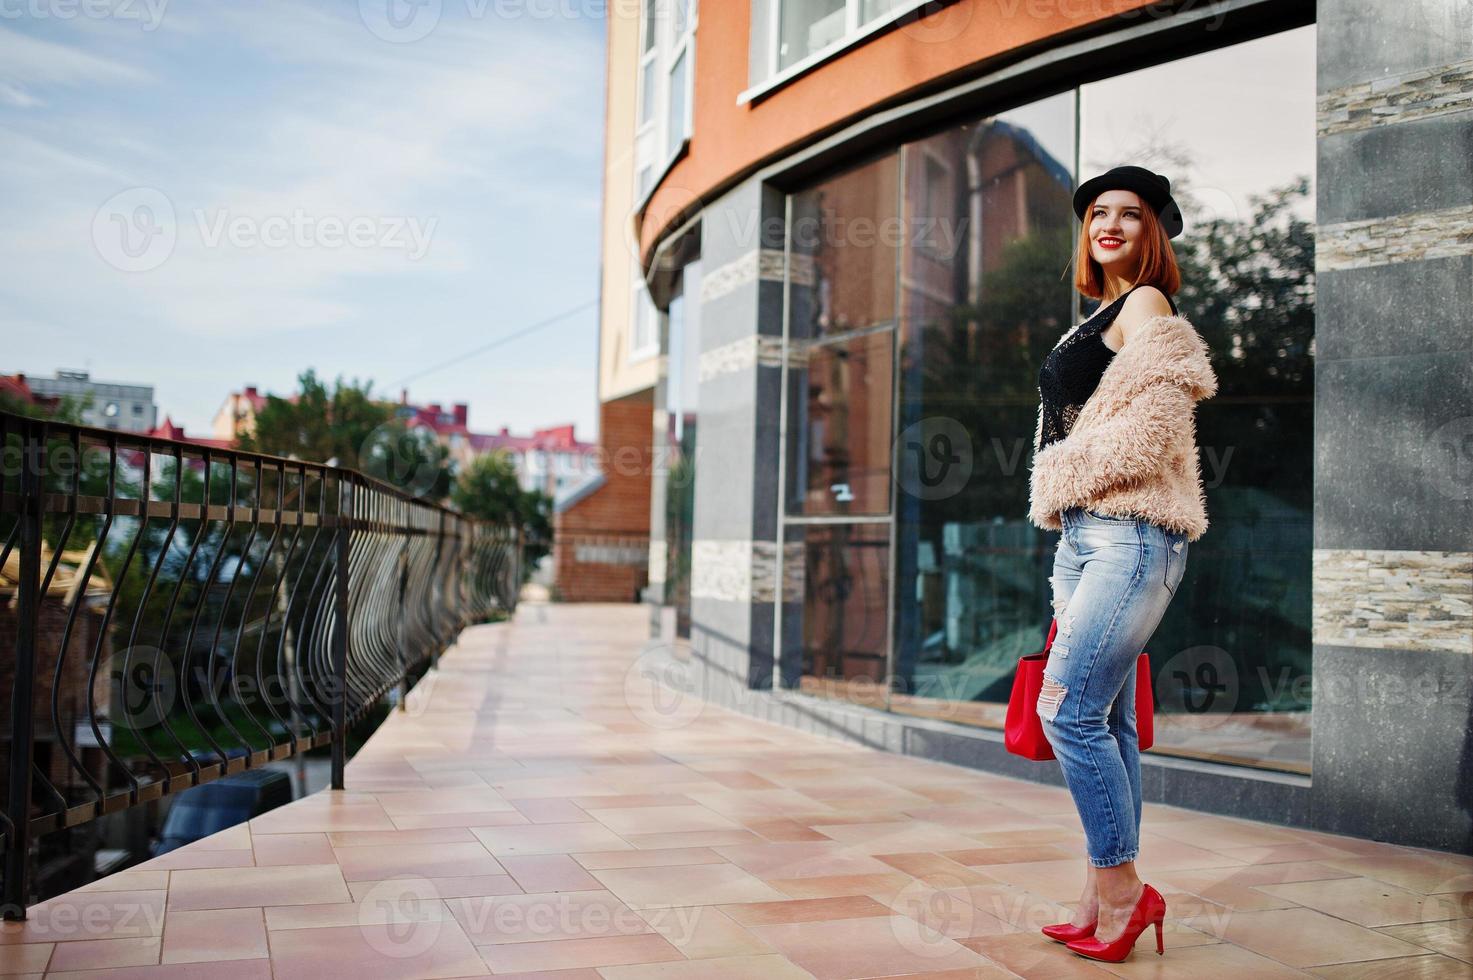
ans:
x=1393 y=557
x=734 y=550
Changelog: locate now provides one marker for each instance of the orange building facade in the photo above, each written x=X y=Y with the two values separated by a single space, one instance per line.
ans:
x=837 y=238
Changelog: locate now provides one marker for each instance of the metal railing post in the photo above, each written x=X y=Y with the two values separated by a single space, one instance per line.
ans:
x=436 y=598
x=340 y=638
x=516 y=572
x=402 y=619
x=22 y=731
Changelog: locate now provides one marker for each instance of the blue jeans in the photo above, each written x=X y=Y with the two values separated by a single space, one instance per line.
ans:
x=1113 y=579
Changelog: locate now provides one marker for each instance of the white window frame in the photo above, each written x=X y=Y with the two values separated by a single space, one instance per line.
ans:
x=854 y=35
x=655 y=146
x=646 y=57
x=639 y=297
x=681 y=45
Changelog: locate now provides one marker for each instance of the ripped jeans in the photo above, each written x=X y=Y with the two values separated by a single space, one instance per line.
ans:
x=1113 y=579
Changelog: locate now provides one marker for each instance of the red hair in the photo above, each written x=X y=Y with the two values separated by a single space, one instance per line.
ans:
x=1158 y=262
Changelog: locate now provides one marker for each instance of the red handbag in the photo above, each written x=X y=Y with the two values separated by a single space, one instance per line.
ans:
x=1023 y=730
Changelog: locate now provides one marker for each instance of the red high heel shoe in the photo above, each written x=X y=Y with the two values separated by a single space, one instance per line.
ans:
x=1065 y=932
x=1149 y=910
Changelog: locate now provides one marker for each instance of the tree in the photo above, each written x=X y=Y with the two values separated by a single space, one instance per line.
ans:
x=488 y=489
x=348 y=426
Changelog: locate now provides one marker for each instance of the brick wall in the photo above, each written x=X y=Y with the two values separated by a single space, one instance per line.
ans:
x=601 y=543
x=50 y=627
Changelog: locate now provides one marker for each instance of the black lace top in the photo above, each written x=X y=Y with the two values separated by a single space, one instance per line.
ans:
x=1072 y=370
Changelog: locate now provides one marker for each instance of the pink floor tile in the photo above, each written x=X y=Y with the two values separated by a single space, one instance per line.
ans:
x=100 y=954
x=548 y=872
x=216 y=934
x=375 y=862
x=89 y=915
x=426 y=951
x=279 y=849
x=569 y=953
x=305 y=884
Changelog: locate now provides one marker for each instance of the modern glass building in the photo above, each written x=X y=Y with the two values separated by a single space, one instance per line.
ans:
x=844 y=249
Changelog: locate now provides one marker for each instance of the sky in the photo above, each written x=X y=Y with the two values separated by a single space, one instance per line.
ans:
x=207 y=194
x=1209 y=106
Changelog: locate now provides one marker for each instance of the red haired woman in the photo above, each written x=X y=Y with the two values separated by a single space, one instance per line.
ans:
x=1115 y=470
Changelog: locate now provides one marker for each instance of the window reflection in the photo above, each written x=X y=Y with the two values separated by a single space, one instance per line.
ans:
x=984 y=263
x=841 y=628
x=808 y=26
x=981 y=308
x=839 y=401
x=1232 y=658
x=845 y=239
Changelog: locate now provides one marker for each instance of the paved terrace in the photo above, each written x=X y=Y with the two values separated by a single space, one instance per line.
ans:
x=521 y=820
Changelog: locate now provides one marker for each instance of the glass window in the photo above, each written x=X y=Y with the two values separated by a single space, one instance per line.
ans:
x=682 y=397
x=845 y=240
x=807 y=26
x=983 y=302
x=1232 y=658
x=643 y=335
x=651 y=19
x=677 y=129
x=840 y=630
x=871 y=9
x=648 y=90
x=987 y=234
x=839 y=411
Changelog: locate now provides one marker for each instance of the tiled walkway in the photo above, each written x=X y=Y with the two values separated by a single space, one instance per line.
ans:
x=523 y=816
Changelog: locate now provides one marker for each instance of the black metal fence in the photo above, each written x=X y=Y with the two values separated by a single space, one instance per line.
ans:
x=172 y=613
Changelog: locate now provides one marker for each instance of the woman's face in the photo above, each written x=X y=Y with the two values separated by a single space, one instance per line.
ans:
x=1115 y=230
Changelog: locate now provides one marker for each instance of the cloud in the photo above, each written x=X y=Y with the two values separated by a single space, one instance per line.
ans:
x=27 y=61
x=488 y=133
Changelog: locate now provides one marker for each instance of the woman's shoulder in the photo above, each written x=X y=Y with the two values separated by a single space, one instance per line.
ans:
x=1141 y=304
x=1145 y=301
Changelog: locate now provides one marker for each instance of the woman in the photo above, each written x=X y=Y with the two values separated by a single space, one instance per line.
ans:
x=1115 y=469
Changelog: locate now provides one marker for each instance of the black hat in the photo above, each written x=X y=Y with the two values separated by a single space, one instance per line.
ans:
x=1154 y=189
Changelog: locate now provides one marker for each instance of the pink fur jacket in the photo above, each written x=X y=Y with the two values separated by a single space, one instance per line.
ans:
x=1132 y=451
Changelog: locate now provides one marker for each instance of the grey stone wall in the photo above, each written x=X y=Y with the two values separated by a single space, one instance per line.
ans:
x=1393 y=560
x=733 y=560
